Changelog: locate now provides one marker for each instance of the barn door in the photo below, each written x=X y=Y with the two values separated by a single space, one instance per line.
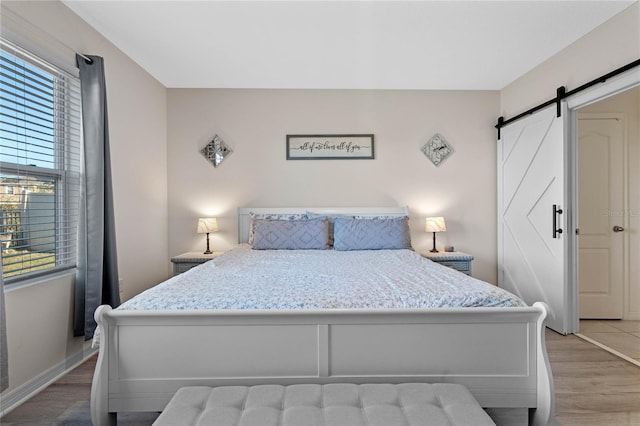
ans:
x=532 y=213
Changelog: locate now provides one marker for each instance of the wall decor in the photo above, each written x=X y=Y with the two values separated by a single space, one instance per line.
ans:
x=216 y=151
x=330 y=147
x=437 y=149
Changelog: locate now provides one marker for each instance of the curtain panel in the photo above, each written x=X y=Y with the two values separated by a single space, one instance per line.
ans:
x=4 y=356
x=97 y=276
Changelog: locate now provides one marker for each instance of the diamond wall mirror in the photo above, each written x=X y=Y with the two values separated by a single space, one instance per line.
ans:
x=216 y=151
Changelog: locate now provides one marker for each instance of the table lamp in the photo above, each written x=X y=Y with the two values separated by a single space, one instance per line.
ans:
x=205 y=226
x=435 y=224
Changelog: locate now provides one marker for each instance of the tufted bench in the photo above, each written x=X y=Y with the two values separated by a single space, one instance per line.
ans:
x=340 y=404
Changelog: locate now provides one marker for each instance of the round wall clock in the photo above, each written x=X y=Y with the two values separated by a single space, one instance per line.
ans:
x=437 y=149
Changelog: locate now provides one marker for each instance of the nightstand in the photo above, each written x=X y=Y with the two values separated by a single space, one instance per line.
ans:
x=186 y=261
x=456 y=259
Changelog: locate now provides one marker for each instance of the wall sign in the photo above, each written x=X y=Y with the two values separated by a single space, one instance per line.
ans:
x=330 y=147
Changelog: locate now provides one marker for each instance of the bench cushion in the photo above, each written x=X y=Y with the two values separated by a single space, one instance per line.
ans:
x=339 y=404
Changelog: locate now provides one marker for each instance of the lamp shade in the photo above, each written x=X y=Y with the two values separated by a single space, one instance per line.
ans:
x=435 y=224
x=207 y=224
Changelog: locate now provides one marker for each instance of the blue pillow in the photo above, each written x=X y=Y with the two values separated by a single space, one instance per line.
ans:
x=297 y=234
x=331 y=217
x=276 y=216
x=371 y=234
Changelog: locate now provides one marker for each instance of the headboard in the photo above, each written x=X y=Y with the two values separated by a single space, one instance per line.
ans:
x=244 y=217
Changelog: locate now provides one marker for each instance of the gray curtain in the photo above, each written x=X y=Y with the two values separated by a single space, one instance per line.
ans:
x=4 y=356
x=97 y=277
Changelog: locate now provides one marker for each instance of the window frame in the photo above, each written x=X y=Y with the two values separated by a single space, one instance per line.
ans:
x=65 y=173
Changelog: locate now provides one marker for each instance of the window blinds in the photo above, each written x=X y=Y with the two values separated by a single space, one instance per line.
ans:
x=40 y=136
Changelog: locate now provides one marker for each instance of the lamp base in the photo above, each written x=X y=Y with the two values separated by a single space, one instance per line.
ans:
x=208 y=251
x=434 y=249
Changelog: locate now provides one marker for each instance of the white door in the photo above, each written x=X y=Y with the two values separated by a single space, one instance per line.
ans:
x=600 y=215
x=531 y=181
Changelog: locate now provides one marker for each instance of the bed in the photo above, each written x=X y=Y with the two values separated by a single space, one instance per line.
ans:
x=148 y=350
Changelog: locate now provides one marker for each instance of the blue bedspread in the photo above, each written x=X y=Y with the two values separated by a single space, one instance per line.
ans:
x=320 y=279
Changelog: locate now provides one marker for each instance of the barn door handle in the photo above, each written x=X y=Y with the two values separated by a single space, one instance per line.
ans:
x=556 y=212
x=618 y=228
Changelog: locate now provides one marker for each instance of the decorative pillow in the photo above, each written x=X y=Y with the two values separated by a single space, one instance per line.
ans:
x=273 y=216
x=296 y=234
x=331 y=218
x=371 y=234
x=362 y=216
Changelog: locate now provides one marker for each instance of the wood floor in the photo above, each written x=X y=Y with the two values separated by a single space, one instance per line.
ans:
x=621 y=336
x=593 y=388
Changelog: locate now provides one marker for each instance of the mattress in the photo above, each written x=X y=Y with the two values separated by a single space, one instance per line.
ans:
x=244 y=278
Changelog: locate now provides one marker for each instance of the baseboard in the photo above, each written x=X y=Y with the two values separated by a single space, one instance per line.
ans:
x=22 y=393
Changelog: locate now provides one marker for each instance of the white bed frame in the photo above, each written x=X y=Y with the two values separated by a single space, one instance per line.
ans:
x=499 y=354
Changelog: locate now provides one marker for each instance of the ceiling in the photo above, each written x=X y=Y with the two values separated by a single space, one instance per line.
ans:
x=463 y=45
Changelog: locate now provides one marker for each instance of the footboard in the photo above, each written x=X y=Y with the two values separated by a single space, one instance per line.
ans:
x=499 y=354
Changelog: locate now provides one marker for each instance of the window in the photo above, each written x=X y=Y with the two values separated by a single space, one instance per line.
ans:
x=39 y=165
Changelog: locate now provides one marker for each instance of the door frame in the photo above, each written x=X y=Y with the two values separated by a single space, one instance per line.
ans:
x=612 y=87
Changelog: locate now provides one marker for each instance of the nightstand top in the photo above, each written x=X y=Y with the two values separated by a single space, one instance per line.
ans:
x=195 y=256
x=447 y=255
